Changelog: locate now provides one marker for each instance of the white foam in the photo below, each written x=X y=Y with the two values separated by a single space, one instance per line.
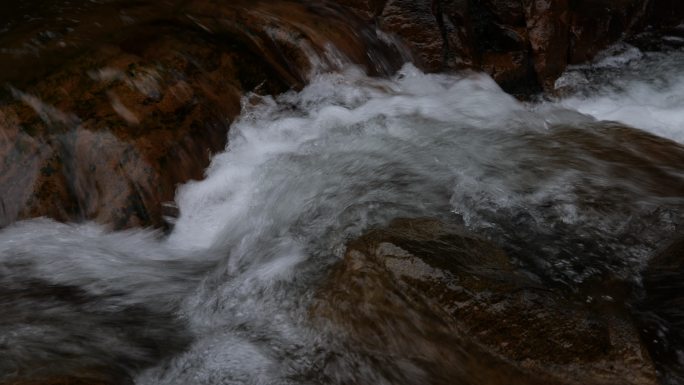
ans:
x=641 y=105
x=336 y=113
x=628 y=86
x=617 y=55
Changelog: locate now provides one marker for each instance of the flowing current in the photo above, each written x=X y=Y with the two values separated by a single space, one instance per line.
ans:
x=224 y=298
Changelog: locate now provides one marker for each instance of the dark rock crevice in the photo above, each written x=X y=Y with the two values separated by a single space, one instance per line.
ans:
x=524 y=44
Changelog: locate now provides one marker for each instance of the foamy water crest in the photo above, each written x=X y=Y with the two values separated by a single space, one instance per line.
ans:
x=305 y=172
x=642 y=89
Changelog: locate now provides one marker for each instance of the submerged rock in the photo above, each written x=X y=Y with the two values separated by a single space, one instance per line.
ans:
x=454 y=307
x=57 y=334
x=660 y=311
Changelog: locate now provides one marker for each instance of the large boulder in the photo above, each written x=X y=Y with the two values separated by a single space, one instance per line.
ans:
x=456 y=309
x=104 y=117
x=110 y=134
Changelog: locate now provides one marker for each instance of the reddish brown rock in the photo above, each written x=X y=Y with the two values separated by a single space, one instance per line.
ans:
x=523 y=44
x=127 y=108
x=414 y=23
x=453 y=305
x=101 y=105
x=548 y=30
x=596 y=24
x=369 y=9
x=108 y=137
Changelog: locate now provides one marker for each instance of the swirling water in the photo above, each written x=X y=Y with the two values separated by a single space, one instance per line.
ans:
x=227 y=291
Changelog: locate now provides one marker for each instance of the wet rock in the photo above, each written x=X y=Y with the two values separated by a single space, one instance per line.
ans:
x=665 y=13
x=548 y=27
x=92 y=339
x=109 y=136
x=596 y=24
x=620 y=201
x=368 y=9
x=415 y=24
x=457 y=308
x=524 y=44
x=86 y=379
x=124 y=109
x=660 y=311
x=80 y=309
x=502 y=43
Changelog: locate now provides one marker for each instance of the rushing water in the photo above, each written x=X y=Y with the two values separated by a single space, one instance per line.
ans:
x=625 y=84
x=224 y=297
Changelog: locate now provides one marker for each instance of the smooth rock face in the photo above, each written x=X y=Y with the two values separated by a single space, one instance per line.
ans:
x=455 y=306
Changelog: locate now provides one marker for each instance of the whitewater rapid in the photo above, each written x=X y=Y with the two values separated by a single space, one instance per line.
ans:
x=641 y=89
x=305 y=172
